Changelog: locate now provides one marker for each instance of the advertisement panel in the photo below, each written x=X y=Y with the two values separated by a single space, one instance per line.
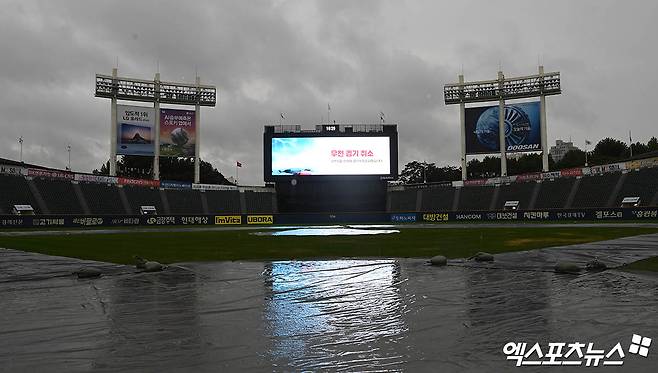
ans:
x=173 y=184
x=403 y=218
x=571 y=172
x=528 y=177
x=213 y=187
x=135 y=131
x=260 y=219
x=177 y=133
x=298 y=156
x=11 y=170
x=51 y=174
x=96 y=179
x=228 y=220
x=139 y=182
x=522 y=128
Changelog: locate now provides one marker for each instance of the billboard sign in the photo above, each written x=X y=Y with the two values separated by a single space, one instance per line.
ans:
x=135 y=132
x=324 y=156
x=177 y=133
x=522 y=128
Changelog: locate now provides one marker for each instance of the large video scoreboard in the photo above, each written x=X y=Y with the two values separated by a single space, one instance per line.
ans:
x=331 y=153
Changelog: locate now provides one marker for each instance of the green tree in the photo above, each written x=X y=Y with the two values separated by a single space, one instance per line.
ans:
x=573 y=158
x=609 y=150
x=171 y=168
x=652 y=145
x=416 y=172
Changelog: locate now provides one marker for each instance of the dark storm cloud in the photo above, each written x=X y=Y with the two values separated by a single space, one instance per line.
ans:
x=363 y=57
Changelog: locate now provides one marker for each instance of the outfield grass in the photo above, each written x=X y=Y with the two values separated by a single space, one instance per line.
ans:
x=649 y=264
x=171 y=247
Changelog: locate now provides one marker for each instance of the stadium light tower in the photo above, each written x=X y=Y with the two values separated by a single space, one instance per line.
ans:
x=156 y=92
x=502 y=89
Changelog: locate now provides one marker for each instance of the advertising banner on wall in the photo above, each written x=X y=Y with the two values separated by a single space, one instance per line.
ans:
x=522 y=128
x=298 y=156
x=177 y=133
x=135 y=131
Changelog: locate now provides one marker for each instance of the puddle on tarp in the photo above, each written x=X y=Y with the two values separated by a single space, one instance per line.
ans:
x=326 y=231
x=335 y=315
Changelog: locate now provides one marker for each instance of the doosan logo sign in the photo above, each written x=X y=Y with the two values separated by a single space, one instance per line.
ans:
x=523 y=147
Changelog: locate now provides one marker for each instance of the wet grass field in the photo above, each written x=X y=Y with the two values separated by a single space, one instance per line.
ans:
x=171 y=247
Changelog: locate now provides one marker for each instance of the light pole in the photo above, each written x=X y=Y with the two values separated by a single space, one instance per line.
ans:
x=20 y=142
x=68 y=149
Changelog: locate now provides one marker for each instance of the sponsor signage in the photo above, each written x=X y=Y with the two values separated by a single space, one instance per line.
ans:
x=641 y=163
x=228 y=220
x=29 y=221
x=96 y=179
x=522 y=128
x=53 y=174
x=135 y=130
x=475 y=182
x=171 y=184
x=11 y=170
x=260 y=219
x=403 y=218
x=213 y=187
x=436 y=217
x=571 y=172
x=529 y=177
x=177 y=133
x=139 y=182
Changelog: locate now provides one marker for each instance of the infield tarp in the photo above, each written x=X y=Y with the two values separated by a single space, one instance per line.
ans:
x=335 y=315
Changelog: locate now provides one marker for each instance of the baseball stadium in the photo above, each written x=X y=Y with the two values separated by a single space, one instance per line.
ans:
x=332 y=263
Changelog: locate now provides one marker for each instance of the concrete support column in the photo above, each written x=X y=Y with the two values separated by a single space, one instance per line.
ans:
x=156 y=150
x=501 y=127
x=113 y=127
x=542 y=123
x=197 y=124
x=462 y=123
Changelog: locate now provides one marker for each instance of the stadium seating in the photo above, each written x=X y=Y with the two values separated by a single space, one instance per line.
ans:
x=521 y=192
x=438 y=199
x=223 y=201
x=141 y=196
x=258 y=202
x=642 y=183
x=15 y=191
x=403 y=201
x=475 y=198
x=553 y=194
x=184 y=201
x=102 y=199
x=59 y=196
x=594 y=191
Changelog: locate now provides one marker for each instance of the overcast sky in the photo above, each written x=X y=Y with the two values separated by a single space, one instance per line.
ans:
x=363 y=57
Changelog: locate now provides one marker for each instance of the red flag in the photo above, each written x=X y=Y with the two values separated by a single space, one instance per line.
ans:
x=238 y=164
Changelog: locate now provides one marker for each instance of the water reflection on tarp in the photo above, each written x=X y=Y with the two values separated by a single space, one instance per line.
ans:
x=346 y=314
x=327 y=232
x=337 y=315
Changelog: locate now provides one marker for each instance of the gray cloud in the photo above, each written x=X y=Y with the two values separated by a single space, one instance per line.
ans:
x=296 y=56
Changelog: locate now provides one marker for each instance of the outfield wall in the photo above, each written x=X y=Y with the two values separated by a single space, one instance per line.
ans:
x=647 y=214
